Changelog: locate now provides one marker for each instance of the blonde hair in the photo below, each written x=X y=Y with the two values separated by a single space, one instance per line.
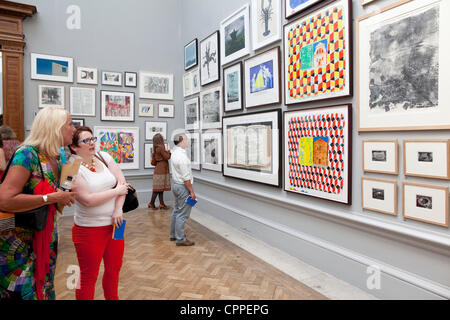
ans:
x=46 y=130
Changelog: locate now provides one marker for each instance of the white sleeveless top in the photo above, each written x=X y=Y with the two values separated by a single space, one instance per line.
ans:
x=101 y=215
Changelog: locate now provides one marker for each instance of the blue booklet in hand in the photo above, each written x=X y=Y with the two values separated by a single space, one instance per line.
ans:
x=191 y=202
x=118 y=233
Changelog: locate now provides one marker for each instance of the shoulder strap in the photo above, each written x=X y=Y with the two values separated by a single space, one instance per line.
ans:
x=99 y=157
x=11 y=160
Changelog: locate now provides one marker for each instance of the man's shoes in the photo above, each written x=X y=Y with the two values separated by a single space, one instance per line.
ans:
x=186 y=243
x=164 y=207
x=151 y=206
x=173 y=239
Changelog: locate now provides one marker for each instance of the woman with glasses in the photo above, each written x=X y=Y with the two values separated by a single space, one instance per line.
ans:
x=100 y=193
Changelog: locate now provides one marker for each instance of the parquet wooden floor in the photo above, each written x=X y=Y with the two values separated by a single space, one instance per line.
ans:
x=154 y=268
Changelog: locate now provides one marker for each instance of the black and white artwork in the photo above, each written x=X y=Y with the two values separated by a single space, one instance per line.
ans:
x=191 y=114
x=377 y=194
x=425 y=202
x=379 y=155
x=425 y=156
x=112 y=78
x=51 y=96
x=211 y=146
x=209 y=59
x=211 y=108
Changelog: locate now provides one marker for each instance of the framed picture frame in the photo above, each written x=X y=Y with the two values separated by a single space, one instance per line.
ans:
x=425 y=203
x=381 y=64
x=195 y=80
x=82 y=101
x=112 y=78
x=187 y=84
x=379 y=195
x=318 y=152
x=117 y=106
x=211 y=108
x=294 y=7
x=51 y=68
x=130 y=79
x=233 y=87
x=49 y=95
x=380 y=156
x=317 y=63
x=211 y=146
x=154 y=127
x=146 y=110
x=148 y=152
x=166 y=110
x=78 y=122
x=194 y=149
x=210 y=59
x=259 y=161
x=155 y=85
x=235 y=31
x=190 y=54
x=122 y=143
x=427 y=158
x=266 y=22
x=262 y=74
x=365 y=2
x=86 y=75
x=192 y=114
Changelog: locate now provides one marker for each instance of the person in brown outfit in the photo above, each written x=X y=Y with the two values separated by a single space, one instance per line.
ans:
x=161 y=174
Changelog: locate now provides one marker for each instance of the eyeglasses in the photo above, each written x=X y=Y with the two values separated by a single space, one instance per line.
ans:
x=89 y=140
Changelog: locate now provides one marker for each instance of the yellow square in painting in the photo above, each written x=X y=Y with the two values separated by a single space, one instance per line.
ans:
x=305 y=151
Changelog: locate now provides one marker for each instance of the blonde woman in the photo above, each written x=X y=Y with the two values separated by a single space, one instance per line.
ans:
x=28 y=258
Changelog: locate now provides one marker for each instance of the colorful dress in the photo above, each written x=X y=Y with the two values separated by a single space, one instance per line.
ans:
x=17 y=259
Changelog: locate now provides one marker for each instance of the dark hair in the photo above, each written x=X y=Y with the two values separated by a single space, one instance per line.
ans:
x=158 y=140
x=76 y=136
x=178 y=138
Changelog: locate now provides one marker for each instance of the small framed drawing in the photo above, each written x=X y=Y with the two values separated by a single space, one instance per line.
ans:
x=117 y=106
x=166 y=110
x=211 y=108
x=82 y=101
x=49 y=95
x=146 y=110
x=195 y=80
x=262 y=76
x=211 y=146
x=425 y=203
x=194 y=149
x=155 y=85
x=380 y=156
x=191 y=114
x=51 y=68
x=379 y=195
x=190 y=54
x=427 y=158
x=295 y=6
x=187 y=84
x=130 y=79
x=111 y=78
x=148 y=152
x=76 y=122
x=154 y=127
x=87 y=75
x=235 y=31
x=210 y=59
x=266 y=22
x=232 y=87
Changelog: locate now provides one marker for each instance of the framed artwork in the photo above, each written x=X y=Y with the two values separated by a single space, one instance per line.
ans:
x=427 y=158
x=111 y=78
x=166 y=110
x=233 y=87
x=211 y=146
x=318 y=152
x=76 y=122
x=364 y=2
x=235 y=31
x=87 y=75
x=154 y=127
x=266 y=22
x=82 y=101
x=379 y=195
x=194 y=149
x=49 y=95
x=187 y=84
x=51 y=68
x=117 y=106
x=130 y=79
x=380 y=156
x=211 y=108
x=121 y=143
x=195 y=81
x=190 y=54
x=317 y=54
x=262 y=79
x=148 y=152
x=191 y=114
x=210 y=59
x=425 y=203
x=155 y=86
x=251 y=147
x=146 y=110
x=401 y=86
x=295 y=6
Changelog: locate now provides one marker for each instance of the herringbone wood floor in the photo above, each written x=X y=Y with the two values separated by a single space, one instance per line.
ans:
x=154 y=268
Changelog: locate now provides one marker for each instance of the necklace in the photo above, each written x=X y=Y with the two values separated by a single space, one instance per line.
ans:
x=90 y=166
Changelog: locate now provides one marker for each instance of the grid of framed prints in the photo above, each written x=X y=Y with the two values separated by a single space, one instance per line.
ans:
x=146 y=110
x=295 y=6
x=155 y=86
x=379 y=195
x=233 y=87
x=49 y=95
x=380 y=156
x=112 y=78
x=166 y=110
x=154 y=127
x=148 y=152
x=51 y=68
x=191 y=114
x=82 y=101
x=190 y=54
x=251 y=146
x=86 y=75
x=211 y=108
x=194 y=149
x=210 y=59
x=211 y=146
x=266 y=24
x=130 y=79
x=117 y=106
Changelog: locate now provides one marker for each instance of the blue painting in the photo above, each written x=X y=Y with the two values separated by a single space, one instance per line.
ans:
x=190 y=55
x=261 y=77
x=294 y=6
x=52 y=67
x=295 y=3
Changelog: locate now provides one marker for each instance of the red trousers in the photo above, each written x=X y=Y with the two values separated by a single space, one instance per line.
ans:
x=93 y=244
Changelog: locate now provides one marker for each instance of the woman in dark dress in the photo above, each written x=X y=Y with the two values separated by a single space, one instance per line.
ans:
x=161 y=174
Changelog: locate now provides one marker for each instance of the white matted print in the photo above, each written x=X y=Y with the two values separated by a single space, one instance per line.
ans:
x=232 y=87
x=148 y=152
x=117 y=106
x=166 y=110
x=51 y=68
x=211 y=108
x=87 y=75
x=131 y=79
x=425 y=203
x=154 y=127
x=146 y=110
x=209 y=59
x=266 y=22
x=49 y=95
x=155 y=85
x=379 y=195
x=211 y=145
x=112 y=78
x=235 y=35
x=187 y=84
x=194 y=149
x=191 y=114
x=82 y=101
x=195 y=78
x=380 y=156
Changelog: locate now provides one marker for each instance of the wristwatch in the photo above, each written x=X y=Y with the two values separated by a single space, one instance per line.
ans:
x=44 y=197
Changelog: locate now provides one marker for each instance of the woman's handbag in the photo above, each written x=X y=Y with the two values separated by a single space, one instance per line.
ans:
x=153 y=163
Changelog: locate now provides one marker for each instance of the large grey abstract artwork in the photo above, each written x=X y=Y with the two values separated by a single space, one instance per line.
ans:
x=404 y=63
